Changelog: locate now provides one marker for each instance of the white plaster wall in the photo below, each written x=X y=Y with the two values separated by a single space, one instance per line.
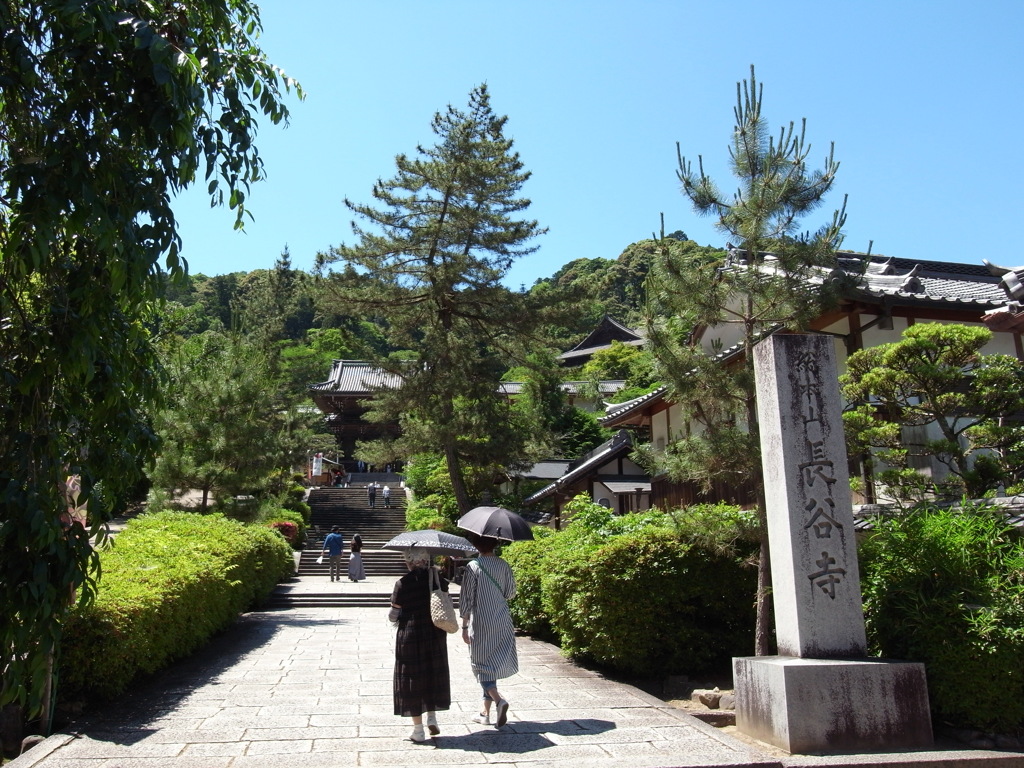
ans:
x=628 y=468
x=667 y=426
x=601 y=491
x=1002 y=342
x=659 y=431
x=727 y=334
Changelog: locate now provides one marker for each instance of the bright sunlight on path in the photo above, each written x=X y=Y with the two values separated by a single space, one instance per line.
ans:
x=312 y=687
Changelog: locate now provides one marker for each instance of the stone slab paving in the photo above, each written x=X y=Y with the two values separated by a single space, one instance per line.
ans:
x=312 y=687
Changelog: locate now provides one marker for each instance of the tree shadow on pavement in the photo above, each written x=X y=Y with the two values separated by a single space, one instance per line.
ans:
x=130 y=718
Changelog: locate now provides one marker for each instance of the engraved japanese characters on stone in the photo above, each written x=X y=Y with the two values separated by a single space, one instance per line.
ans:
x=818 y=474
x=820 y=505
x=827 y=577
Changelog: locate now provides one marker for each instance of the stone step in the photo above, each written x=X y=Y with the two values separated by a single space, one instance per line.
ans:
x=397 y=570
x=349 y=510
x=329 y=600
x=333 y=600
x=375 y=564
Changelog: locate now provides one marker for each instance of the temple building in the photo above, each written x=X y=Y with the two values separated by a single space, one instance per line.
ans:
x=607 y=331
x=886 y=297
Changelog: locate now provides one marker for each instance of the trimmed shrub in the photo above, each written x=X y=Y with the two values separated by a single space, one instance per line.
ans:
x=423 y=514
x=302 y=509
x=946 y=587
x=292 y=499
x=643 y=593
x=169 y=581
x=648 y=603
x=527 y=559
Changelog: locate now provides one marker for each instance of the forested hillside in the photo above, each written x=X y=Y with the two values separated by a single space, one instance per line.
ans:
x=283 y=307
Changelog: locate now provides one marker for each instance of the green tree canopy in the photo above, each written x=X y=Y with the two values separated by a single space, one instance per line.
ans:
x=225 y=428
x=775 y=275
x=556 y=428
x=107 y=109
x=934 y=394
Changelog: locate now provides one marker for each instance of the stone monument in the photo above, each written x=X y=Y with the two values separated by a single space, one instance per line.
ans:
x=821 y=694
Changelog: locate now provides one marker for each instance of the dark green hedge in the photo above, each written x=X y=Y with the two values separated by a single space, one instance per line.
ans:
x=946 y=587
x=169 y=581
x=642 y=593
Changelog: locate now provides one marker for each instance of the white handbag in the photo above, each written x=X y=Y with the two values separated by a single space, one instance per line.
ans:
x=442 y=612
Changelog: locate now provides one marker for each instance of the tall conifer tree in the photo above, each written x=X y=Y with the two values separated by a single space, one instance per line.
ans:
x=774 y=276
x=429 y=260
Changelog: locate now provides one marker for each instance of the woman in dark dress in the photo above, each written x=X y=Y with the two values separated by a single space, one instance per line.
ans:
x=422 y=685
x=356 y=572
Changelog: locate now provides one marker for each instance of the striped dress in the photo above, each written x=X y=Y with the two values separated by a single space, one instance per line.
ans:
x=486 y=586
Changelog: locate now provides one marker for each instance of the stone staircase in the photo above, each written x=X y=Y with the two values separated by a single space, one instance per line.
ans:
x=349 y=509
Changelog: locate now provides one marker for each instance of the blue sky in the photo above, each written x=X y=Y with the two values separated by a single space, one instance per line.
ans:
x=923 y=101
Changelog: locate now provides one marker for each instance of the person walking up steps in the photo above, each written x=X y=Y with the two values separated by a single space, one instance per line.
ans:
x=371 y=494
x=356 y=572
x=334 y=545
x=386 y=494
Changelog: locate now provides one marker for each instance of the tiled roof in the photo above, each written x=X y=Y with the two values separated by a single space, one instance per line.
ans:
x=927 y=281
x=356 y=377
x=621 y=443
x=621 y=409
x=896 y=280
x=617 y=411
x=907 y=281
x=609 y=387
x=607 y=330
x=545 y=470
x=1012 y=507
x=572 y=354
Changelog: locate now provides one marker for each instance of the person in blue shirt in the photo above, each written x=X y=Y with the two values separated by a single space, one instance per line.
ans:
x=334 y=545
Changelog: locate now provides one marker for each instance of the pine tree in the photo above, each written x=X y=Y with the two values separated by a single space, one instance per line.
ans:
x=774 y=277
x=430 y=257
x=225 y=429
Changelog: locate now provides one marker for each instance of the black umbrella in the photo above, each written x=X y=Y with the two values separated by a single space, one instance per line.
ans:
x=496 y=522
x=435 y=542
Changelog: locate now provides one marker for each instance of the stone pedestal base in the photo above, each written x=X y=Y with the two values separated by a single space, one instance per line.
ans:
x=832 y=706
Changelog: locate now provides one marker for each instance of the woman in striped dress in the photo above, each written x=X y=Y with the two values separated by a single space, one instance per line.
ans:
x=487 y=585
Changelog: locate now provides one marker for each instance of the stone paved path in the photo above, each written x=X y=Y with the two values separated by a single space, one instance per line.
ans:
x=313 y=688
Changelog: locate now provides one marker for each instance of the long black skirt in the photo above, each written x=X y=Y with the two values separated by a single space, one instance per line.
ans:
x=422 y=682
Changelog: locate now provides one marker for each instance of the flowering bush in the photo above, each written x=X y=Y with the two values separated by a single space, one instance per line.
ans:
x=288 y=529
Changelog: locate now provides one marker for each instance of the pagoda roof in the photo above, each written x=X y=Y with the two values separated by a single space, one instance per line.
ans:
x=356 y=377
x=607 y=331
